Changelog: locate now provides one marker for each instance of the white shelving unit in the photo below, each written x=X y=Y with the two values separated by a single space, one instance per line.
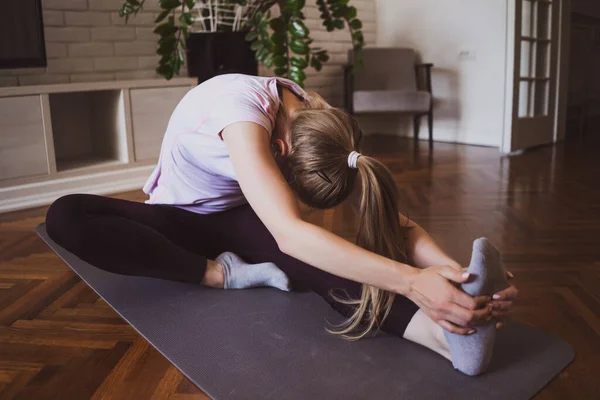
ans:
x=88 y=128
x=99 y=138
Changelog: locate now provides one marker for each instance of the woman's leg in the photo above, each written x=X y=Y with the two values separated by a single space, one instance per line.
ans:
x=163 y=242
x=138 y=239
x=253 y=242
x=241 y=231
x=470 y=354
x=130 y=238
x=423 y=330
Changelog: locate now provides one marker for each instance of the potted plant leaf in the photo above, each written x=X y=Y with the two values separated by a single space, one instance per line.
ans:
x=274 y=30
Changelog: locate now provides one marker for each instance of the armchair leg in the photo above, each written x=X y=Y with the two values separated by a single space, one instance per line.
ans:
x=430 y=123
x=416 y=126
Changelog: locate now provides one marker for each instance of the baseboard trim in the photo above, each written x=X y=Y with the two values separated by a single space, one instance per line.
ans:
x=43 y=193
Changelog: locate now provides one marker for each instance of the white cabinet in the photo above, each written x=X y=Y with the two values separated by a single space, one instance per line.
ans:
x=22 y=144
x=150 y=113
x=89 y=129
x=97 y=137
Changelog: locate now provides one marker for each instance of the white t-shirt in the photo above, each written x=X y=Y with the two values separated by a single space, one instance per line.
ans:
x=194 y=170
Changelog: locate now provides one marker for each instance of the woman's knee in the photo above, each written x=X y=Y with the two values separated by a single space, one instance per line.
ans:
x=64 y=215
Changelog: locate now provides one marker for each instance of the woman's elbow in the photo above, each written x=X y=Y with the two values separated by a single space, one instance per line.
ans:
x=284 y=242
x=287 y=239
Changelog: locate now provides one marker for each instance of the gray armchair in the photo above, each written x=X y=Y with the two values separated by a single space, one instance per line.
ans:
x=390 y=81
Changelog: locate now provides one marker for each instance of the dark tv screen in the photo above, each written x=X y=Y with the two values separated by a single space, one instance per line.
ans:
x=22 y=34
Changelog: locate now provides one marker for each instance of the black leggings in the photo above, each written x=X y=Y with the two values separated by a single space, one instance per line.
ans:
x=166 y=242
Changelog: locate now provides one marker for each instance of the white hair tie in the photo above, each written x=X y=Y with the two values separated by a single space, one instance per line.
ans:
x=353 y=159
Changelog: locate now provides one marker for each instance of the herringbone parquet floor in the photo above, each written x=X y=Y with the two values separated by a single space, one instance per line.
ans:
x=58 y=340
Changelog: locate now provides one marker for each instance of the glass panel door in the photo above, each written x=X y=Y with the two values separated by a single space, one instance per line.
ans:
x=532 y=89
x=536 y=42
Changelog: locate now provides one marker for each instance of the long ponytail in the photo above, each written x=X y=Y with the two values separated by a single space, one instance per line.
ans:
x=380 y=232
x=317 y=169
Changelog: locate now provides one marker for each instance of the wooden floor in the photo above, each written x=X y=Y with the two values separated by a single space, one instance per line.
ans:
x=542 y=209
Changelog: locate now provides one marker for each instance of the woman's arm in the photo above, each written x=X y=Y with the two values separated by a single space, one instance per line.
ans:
x=273 y=201
x=422 y=250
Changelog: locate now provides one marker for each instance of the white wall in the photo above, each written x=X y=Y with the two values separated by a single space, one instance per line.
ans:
x=468 y=88
x=86 y=40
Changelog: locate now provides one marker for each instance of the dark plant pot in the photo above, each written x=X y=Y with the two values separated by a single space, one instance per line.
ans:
x=215 y=53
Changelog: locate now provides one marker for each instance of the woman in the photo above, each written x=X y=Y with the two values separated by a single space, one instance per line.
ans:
x=223 y=212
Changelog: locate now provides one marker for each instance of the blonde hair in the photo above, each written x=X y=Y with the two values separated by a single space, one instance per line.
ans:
x=321 y=138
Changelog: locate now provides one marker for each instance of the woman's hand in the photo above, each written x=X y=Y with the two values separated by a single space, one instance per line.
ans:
x=448 y=306
x=502 y=303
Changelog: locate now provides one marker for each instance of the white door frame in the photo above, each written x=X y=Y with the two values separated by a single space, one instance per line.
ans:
x=511 y=69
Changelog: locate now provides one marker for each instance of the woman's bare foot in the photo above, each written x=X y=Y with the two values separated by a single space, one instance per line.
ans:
x=214 y=276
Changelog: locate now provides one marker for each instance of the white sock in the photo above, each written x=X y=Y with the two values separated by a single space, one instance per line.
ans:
x=471 y=354
x=241 y=275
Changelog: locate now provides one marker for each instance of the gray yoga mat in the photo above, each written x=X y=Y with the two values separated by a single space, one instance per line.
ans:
x=267 y=344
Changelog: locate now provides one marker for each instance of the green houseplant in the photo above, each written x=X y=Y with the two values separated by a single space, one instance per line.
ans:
x=280 y=40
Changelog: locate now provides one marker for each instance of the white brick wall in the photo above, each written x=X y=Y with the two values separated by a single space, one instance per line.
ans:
x=137 y=48
x=67 y=34
x=53 y=18
x=68 y=65
x=56 y=50
x=93 y=77
x=329 y=81
x=146 y=34
x=65 y=4
x=148 y=62
x=142 y=19
x=115 y=63
x=107 y=5
x=98 y=49
x=86 y=40
x=113 y=34
x=87 y=18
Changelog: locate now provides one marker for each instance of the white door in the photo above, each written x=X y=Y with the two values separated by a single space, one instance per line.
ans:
x=531 y=101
